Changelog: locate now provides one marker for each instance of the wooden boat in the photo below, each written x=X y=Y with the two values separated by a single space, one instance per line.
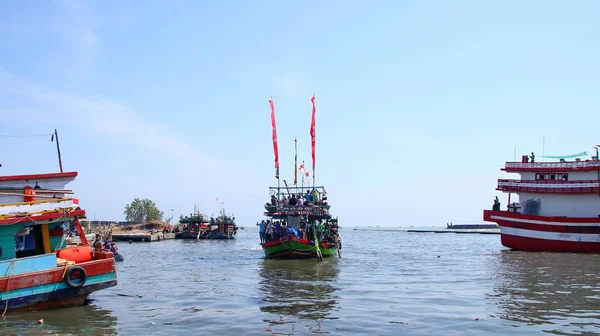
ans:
x=197 y=226
x=38 y=269
x=300 y=224
x=192 y=226
x=300 y=231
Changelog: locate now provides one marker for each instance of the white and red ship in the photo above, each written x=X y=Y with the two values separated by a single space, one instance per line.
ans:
x=556 y=206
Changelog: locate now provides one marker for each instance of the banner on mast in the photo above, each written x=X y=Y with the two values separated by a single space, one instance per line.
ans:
x=313 y=134
x=275 y=147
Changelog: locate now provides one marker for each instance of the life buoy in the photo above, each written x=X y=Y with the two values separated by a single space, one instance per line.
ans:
x=82 y=277
x=29 y=194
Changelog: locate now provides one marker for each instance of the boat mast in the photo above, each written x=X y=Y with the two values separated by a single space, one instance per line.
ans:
x=55 y=134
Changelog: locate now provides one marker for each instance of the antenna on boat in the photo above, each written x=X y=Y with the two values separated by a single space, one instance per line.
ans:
x=55 y=134
x=543 y=148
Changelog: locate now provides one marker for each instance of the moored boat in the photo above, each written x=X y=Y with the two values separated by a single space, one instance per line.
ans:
x=558 y=205
x=197 y=226
x=39 y=270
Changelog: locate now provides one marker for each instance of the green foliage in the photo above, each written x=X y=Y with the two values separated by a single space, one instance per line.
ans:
x=142 y=210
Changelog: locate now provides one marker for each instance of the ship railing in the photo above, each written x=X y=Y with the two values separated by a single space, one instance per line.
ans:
x=549 y=186
x=555 y=165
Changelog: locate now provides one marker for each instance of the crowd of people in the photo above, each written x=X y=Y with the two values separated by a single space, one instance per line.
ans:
x=311 y=197
x=275 y=230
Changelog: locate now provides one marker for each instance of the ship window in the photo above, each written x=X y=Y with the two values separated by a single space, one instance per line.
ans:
x=552 y=176
x=540 y=177
x=565 y=177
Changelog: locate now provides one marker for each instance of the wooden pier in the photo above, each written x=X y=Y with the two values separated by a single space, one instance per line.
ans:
x=142 y=237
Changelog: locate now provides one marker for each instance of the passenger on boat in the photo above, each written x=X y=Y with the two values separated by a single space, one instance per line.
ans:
x=273 y=200
x=496 y=206
x=532 y=157
x=308 y=197
x=300 y=200
x=277 y=231
x=315 y=195
x=293 y=201
x=113 y=248
x=261 y=231
x=269 y=231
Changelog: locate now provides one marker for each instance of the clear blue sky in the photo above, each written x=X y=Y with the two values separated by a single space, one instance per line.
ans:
x=419 y=103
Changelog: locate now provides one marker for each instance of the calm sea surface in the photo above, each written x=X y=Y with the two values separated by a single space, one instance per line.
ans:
x=386 y=283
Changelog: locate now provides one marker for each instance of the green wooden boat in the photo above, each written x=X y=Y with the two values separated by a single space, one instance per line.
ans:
x=298 y=231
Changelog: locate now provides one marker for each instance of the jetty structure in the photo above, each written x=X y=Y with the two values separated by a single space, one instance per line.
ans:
x=299 y=223
x=553 y=206
x=38 y=270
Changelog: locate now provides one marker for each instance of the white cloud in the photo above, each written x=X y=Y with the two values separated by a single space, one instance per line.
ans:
x=112 y=118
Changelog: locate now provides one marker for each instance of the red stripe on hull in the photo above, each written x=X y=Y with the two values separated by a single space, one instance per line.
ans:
x=54 y=275
x=544 y=245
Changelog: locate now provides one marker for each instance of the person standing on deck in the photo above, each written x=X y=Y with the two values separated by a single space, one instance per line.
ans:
x=269 y=231
x=261 y=231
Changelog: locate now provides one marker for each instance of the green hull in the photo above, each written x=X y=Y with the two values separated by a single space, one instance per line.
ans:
x=296 y=249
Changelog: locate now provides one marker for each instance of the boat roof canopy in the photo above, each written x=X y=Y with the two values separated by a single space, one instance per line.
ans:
x=284 y=188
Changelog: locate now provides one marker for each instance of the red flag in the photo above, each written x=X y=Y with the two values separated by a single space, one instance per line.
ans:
x=306 y=173
x=275 y=148
x=313 y=134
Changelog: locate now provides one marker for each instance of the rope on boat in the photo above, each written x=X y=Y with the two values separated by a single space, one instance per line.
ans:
x=6 y=289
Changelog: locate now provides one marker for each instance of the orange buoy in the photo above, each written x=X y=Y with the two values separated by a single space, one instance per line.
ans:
x=77 y=254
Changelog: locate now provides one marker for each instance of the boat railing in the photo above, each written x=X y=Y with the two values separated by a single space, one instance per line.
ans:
x=553 y=165
x=555 y=186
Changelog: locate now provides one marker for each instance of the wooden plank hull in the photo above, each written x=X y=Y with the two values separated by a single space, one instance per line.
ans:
x=47 y=288
x=296 y=248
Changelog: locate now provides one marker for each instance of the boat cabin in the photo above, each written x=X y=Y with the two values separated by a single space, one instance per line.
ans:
x=35 y=212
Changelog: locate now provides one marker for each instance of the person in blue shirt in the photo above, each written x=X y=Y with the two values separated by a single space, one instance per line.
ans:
x=261 y=231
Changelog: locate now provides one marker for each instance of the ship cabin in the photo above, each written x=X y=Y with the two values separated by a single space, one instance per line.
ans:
x=35 y=212
x=555 y=187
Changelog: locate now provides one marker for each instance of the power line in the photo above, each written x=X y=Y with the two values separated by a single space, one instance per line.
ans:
x=24 y=136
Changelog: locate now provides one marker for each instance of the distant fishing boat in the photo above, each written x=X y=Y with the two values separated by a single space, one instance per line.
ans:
x=299 y=223
x=39 y=270
x=198 y=226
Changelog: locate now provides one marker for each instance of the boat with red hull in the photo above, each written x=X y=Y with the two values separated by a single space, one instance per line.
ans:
x=38 y=269
x=558 y=206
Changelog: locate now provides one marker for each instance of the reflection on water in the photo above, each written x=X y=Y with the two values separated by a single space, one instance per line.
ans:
x=299 y=288
x=560 y=292
x=84 y=320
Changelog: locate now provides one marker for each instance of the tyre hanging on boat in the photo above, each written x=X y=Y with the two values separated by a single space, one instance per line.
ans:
x=82 y=277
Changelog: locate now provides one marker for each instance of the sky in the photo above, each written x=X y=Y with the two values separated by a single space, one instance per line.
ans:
x=419 y=103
